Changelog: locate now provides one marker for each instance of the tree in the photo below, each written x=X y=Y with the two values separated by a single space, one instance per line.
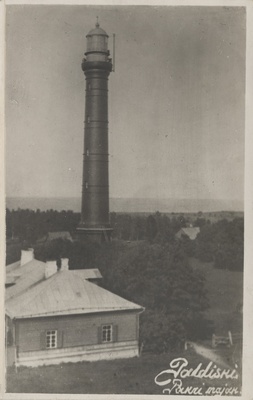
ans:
x=160 y=279
x=205 y=243
x=223 y=243
x=151 y=230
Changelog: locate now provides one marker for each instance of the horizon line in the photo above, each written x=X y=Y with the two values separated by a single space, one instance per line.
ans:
x=132 y=197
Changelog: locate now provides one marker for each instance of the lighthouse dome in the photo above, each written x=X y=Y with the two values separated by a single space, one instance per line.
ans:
x=97 y=31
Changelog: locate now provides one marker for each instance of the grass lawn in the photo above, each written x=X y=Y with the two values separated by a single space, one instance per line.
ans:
x=129 y=376
x=225 y=293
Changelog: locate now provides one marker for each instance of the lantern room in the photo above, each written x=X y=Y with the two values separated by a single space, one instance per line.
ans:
x=97 y=45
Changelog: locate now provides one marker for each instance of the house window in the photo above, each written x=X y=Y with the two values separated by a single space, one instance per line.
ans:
x=51 y=339
x=106 y=333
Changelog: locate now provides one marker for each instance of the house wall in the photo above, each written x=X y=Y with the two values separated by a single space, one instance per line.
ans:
x=96 y=352
x=75 y=330
x=79 y=338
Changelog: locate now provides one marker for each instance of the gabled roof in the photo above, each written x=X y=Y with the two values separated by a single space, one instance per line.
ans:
x=59 y=235
x=64 y=293
x=65 y=235
x=191 y=232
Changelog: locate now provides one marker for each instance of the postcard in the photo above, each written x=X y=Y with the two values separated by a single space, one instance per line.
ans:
x=127 y=200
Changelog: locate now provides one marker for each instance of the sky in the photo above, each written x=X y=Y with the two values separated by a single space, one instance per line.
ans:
x=176 y=100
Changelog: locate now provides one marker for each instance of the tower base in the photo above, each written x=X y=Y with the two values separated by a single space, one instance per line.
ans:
x=98 y=235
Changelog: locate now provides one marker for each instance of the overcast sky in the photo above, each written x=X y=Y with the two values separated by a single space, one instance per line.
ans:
x=176 y=100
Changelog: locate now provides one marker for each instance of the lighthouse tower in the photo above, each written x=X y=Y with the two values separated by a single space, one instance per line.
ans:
x=95 y=219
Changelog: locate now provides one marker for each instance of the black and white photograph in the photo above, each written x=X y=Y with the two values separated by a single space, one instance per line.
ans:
x=125 y=199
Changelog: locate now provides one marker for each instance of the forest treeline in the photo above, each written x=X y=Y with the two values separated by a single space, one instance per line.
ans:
x=220 y=242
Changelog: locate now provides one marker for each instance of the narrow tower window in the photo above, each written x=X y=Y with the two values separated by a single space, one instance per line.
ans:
x=87 y=152
x=86 y=185
x=88 y=119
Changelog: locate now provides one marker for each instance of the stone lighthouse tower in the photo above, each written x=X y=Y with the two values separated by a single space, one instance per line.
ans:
x=97 y=65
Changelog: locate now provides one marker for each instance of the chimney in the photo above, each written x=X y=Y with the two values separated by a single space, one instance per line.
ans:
x=26 y=256
x=64 y=264
x=51 y=269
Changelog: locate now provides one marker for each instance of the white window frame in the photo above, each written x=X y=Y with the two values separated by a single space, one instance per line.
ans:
x=51 y=339
x=107 y=333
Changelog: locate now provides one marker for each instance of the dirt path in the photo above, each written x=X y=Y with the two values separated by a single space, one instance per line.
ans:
x=209 y=354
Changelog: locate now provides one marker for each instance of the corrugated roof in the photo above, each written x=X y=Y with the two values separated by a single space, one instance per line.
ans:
x=66 y=292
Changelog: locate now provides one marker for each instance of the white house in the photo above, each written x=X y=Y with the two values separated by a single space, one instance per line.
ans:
x=55 y=316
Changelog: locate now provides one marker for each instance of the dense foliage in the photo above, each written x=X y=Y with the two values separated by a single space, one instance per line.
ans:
x=220 y=242
x=158 y=278
x=223 y=243
x=31 y=225
x=144 y=264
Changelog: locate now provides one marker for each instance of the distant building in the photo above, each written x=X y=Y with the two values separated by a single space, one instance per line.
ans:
x=64 y=235
x=55 y=316
x=189 y=232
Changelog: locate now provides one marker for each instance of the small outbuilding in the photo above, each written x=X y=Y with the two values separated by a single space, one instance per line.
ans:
x=57 y=315
x=190 y=232
x=63 y=235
